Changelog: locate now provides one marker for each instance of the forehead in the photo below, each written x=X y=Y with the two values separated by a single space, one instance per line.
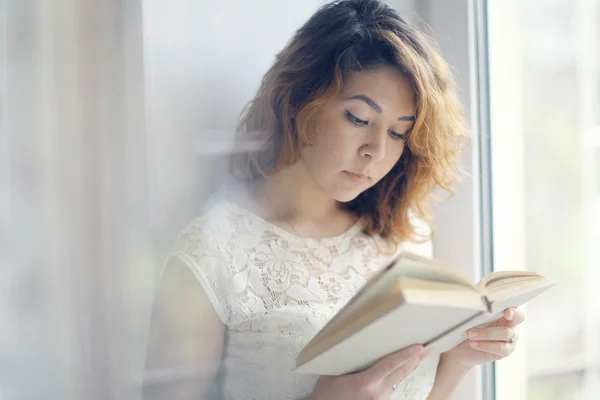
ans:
x=385 y=85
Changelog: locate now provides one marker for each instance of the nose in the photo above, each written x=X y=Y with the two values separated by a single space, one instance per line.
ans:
x=374 y=147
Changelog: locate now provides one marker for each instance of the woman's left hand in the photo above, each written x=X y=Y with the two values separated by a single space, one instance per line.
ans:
x=490 y=343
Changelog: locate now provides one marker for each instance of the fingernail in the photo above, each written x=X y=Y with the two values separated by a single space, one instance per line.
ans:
x=475 y=345
x=511 y=314
x=416 y=349
x=427 y=351
x=473 y=333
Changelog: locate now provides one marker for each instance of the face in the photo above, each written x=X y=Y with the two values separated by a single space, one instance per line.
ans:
x=359 y=135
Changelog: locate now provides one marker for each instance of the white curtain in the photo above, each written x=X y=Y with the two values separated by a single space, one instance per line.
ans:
x=76 y=230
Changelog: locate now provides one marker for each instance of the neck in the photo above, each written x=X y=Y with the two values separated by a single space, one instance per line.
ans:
x=293 y=195
x=290 y=197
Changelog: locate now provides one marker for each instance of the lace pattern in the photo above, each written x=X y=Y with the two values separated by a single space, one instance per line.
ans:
x=274 y=291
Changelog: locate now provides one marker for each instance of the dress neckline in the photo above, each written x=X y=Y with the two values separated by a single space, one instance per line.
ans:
x=352 y=230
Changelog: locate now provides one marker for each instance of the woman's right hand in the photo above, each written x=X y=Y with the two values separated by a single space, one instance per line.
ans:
x=376 y=382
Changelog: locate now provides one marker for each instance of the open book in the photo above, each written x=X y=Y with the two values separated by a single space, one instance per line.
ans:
x=413 y=300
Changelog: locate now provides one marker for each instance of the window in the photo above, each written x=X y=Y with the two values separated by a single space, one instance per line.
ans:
x=544 y=154
x=545 y=175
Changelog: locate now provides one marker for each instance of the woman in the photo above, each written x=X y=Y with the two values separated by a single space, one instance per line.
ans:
x=359 y=123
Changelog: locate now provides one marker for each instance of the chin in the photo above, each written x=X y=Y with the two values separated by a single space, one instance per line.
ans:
x=345 y=197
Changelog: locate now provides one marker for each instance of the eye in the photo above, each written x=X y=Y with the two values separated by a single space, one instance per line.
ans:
x=355 y=120
x=397 y=136
x=401 y=136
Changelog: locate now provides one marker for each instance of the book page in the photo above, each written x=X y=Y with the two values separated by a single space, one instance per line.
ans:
x=508 y=289
x=499 y=279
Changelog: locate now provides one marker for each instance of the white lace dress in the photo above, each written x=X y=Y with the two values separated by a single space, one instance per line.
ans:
x=274 y=291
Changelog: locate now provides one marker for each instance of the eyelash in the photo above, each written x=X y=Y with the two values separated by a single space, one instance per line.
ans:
x=354 y=120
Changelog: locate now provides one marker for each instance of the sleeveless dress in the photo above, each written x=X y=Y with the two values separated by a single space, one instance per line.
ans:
x=274 y=291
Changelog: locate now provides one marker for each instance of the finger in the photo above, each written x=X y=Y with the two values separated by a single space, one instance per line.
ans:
x=498 y=349
x=511 y=317
x=514 y=315
x=388 y=364
x=502 y=333
x=402 y=372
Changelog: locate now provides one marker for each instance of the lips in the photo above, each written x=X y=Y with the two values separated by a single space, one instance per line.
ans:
x=356 y=176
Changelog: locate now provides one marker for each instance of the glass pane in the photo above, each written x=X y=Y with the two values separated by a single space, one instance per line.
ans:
x=562 y=387
x=545 y=179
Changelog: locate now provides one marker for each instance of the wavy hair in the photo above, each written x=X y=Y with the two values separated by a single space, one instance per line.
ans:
x=340 y=38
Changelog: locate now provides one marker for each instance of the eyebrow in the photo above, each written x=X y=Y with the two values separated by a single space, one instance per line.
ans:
x=376 y=106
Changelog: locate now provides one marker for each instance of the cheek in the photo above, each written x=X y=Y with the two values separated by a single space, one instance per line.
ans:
x=333 y=130
x=333 y=145
x=322 y=157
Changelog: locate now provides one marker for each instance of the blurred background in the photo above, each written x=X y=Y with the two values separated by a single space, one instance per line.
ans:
x=116 y=118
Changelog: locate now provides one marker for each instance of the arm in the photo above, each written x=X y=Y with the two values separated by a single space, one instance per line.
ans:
x=185 y=341
x=448 y=375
